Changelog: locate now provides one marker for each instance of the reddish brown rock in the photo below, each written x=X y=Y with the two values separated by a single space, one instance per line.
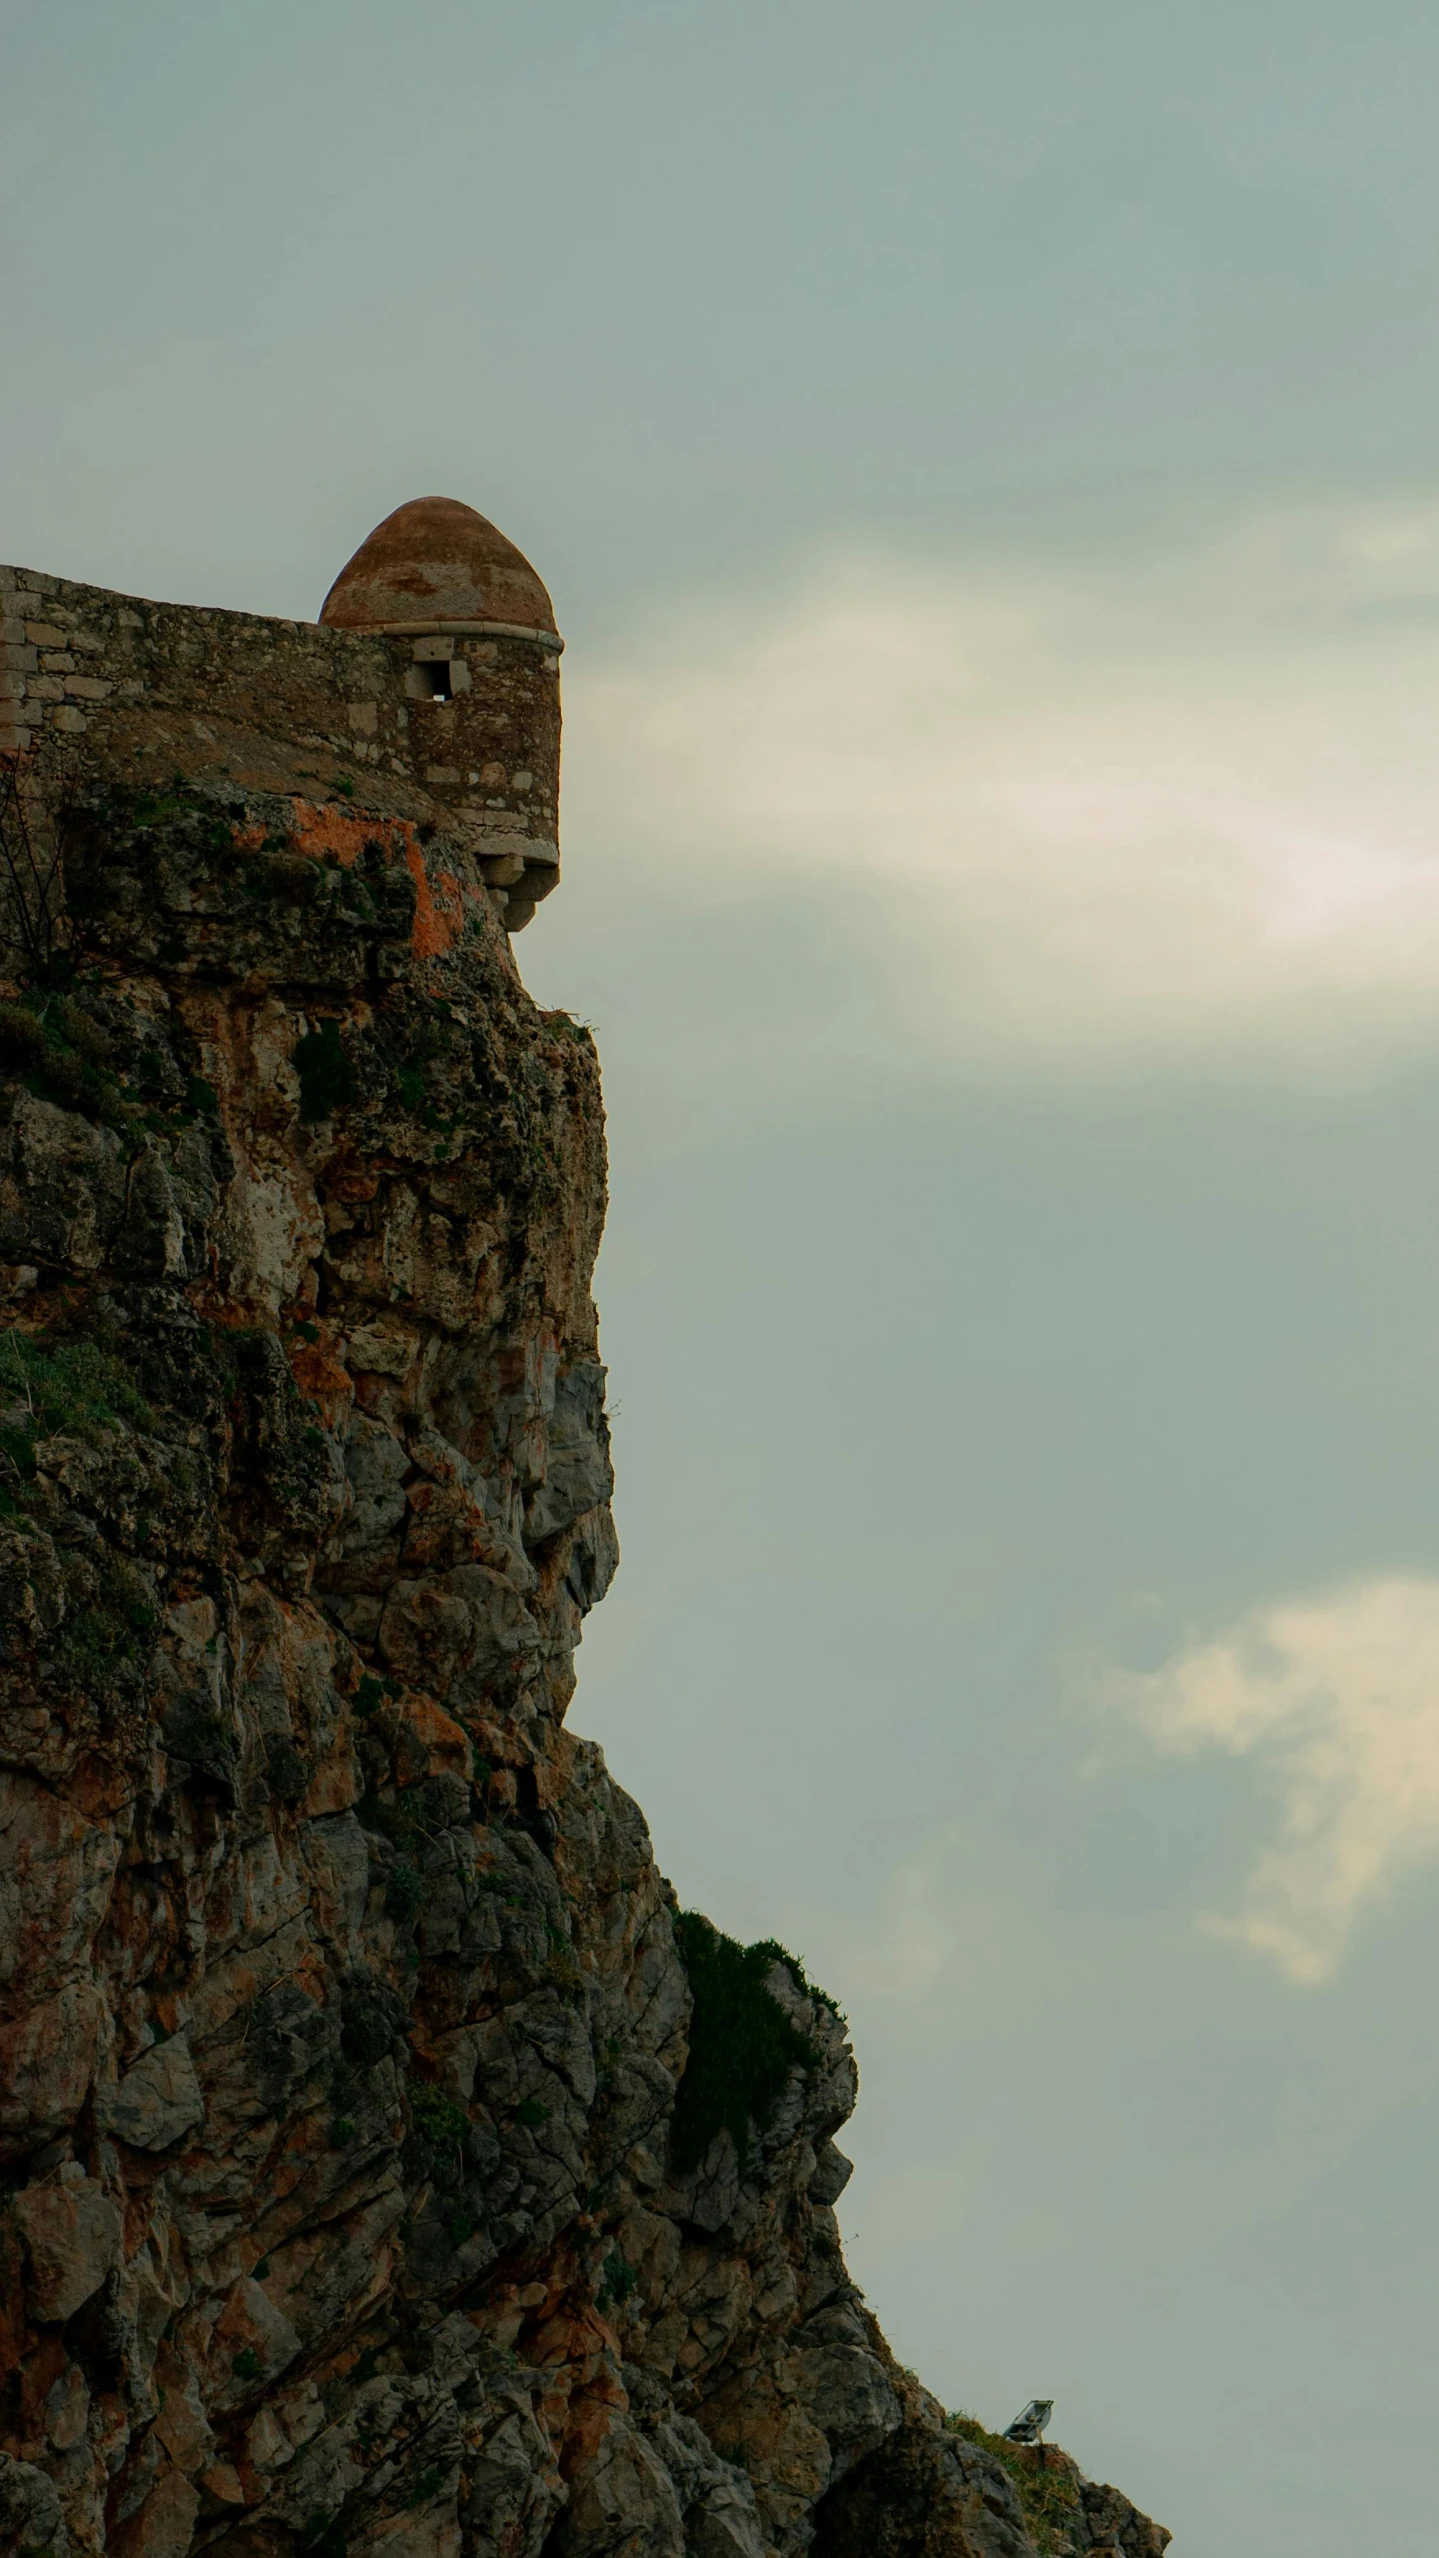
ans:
x=71 y=2232
x=157 y=2101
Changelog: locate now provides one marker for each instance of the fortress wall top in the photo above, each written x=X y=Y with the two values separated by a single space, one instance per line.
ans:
x=458 y=729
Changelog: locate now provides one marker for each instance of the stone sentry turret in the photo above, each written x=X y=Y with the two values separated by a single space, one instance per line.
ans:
x=427 y=691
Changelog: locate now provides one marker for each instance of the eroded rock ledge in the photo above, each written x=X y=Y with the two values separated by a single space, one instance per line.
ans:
x=344 y=2010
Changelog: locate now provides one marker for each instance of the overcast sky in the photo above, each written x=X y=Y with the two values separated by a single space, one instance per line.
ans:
x=986 y=462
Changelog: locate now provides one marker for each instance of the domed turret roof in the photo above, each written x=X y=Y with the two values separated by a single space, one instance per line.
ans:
x=435 y=565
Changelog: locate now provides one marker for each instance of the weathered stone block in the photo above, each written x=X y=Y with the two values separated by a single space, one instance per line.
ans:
x=157 y=2101
x=71 y=2231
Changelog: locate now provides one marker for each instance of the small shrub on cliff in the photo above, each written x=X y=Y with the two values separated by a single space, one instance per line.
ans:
x=562 y=1968
x=774 y=1952
x=742 y=2044
x=61 y=1058
x=22 y=1036
x=286 y=1774
x=404 y=1891
x=617 y=2281
x=123 y=810
x=51 y=1387
x=1049 y=2496
x=327 y=1078
x=113 y=1630
x=443 y=2122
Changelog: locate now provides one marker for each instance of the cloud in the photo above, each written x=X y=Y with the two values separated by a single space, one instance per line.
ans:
x=1185 y=807
x=903 y=1950
x=947 y=1934
x=1337 y=1698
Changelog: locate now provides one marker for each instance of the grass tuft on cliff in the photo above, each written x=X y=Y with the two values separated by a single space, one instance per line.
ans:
x=742 y=2044
x=1049 y=2496
x=60 y=1057
x=50 y=1386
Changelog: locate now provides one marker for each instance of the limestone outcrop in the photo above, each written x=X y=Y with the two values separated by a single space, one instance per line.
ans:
x=392 y=2166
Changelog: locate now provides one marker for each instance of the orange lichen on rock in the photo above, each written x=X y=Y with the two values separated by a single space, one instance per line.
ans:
x=424 y=1740
x=318 y=1374
x=439 y=905
x=333 y=832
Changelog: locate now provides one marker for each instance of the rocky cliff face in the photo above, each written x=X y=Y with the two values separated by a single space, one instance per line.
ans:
x=390 y=2166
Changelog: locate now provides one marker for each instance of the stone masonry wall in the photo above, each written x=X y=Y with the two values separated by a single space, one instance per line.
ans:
x=132 y=691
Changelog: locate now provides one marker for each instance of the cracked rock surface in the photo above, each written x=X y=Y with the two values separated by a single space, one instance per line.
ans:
x=343 y=2011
